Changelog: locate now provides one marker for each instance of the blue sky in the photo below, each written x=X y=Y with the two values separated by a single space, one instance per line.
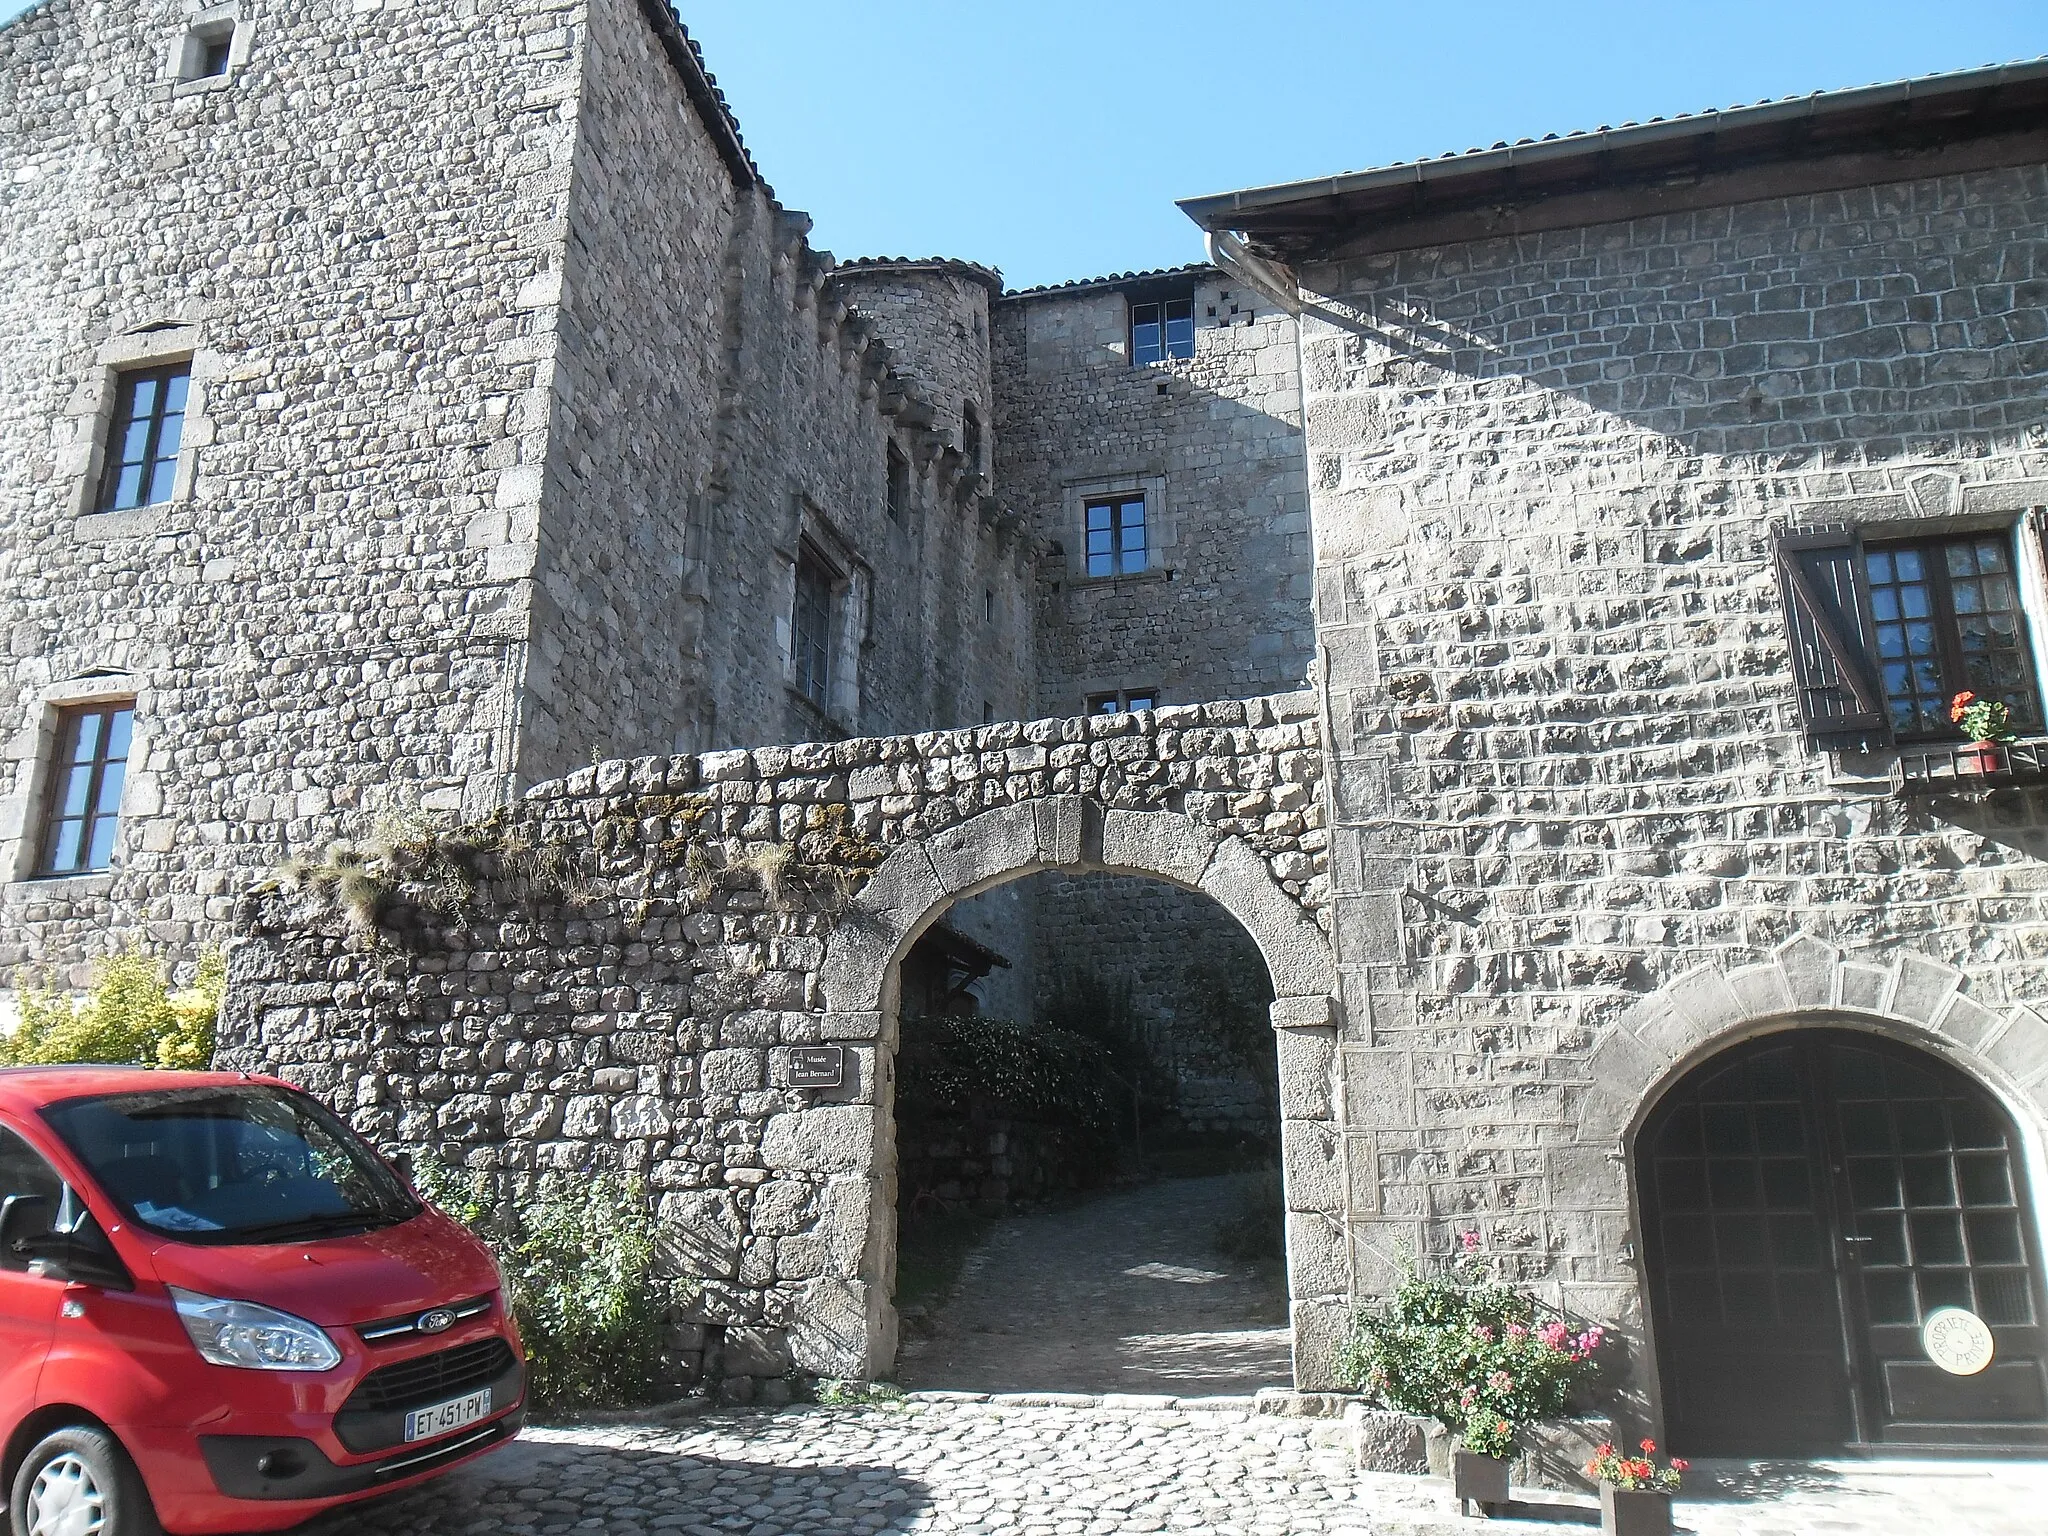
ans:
x=1050 y=139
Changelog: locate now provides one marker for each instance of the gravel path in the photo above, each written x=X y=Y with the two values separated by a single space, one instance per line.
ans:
x=1126 y=1293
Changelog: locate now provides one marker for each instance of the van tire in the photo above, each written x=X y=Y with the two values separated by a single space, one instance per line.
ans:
x=88 y=1463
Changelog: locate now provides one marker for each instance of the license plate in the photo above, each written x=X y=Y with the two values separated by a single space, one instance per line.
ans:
x=425 y=1423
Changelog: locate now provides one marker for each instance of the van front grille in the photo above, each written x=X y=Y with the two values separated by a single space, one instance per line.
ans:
x=432 y=1378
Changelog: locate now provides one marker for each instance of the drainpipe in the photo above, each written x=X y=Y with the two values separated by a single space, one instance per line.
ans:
x=1276 y=282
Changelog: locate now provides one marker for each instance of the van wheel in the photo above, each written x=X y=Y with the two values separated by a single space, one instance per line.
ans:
x=79 y=1482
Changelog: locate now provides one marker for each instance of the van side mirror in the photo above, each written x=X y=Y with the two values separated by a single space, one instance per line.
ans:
x=79 y=1253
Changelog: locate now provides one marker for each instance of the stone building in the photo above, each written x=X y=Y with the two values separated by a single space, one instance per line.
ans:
x=1634 y=502
x=1667 y=482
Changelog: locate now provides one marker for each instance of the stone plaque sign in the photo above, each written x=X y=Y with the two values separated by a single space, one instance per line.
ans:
x=817 y=1066
x=1957 y=1341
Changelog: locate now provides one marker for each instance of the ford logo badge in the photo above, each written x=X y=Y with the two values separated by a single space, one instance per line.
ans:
x=440 y=1320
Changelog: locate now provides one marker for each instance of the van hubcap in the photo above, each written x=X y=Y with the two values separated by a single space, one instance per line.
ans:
x=66 y=1500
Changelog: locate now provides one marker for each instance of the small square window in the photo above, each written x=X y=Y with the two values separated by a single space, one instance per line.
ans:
x=1162 y=330
x=898 y=482
x=207 y=52
x=811 y=627
x=1116 y=536
x=84 y=801
x=142 y=449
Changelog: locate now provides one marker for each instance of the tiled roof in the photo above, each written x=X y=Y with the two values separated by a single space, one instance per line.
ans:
x=702 y=88
x=1995 y=98
x=1112 y=280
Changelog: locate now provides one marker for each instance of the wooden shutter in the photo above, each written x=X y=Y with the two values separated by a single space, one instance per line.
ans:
x=1827 y=614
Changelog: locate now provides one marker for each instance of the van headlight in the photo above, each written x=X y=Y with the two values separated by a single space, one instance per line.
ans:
x=255 y=1338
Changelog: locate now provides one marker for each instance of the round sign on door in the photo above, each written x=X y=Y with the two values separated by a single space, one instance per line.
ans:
x=1957 y=1341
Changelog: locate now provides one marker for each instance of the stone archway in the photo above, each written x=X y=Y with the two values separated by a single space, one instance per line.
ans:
x=1807 y=988
x=920 y=881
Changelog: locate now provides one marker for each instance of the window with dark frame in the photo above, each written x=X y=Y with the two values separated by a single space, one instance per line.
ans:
x=970 y=435
x=142 y=449
x=1161 y=330
x=1123 y=701
x=1884 y=634
x=1947 y=619
x=811 y=627
x=1116 y=536
x=83 y=804
x=898 y=482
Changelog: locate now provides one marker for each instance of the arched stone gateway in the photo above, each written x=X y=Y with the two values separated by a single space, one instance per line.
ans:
x=640 y=966
x=919 y=882
x=1821 y=1155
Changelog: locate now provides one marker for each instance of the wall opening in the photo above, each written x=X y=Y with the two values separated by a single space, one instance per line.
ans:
x=1841 y=1253
x=1086 y=1133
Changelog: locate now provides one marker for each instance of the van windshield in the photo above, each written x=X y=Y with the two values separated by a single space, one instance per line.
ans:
x=235 y=1164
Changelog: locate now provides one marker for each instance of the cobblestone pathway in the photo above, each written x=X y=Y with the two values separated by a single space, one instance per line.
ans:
x=1123 y=1294
x=979 y=1469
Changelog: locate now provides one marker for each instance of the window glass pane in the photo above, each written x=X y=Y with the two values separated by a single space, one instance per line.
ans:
x=66 y=848
x=1139 y=701
x=72 y=790
x=1180 y=328
x=120 y=728
x=110 y=788
x=101 y=853
x=143 y=397
x=1145 y=342
x=1098 y=516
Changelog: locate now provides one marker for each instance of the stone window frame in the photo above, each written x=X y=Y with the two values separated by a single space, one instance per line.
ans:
x=1934 y=504
x=852 y=616
x=1162 y=533
x=81 y=463
x=186 y=51
x=33 y=753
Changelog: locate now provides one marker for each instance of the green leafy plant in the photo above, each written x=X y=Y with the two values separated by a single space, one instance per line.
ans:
x=1635 y=1473
x=950 y=1068
x=578 y=1257
x=130 y=1015
x=1981 y=719
x=1476 y=1355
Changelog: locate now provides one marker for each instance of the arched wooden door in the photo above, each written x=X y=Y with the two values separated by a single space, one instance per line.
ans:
x=1809 y=1199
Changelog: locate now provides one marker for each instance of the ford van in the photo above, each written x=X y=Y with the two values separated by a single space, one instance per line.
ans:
x=220 y=1310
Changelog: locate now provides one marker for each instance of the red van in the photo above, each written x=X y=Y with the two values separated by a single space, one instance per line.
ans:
x=220 y=1310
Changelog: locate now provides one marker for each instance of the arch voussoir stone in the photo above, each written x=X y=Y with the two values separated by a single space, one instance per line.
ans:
x=1910 y=994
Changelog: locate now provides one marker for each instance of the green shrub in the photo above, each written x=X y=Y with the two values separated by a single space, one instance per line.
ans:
x=130 y=1015
x=1461 y=1347
x=950 y=1068
x=579 y=1261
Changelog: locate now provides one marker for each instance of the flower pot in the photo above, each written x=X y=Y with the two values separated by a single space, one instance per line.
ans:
x=1481 y=1480
x=1634 y=1511
x=1980 y=757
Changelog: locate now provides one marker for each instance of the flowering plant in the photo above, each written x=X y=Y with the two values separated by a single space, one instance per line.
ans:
x=1469 y=1351
x=1981 y=719
x=1634 y=1472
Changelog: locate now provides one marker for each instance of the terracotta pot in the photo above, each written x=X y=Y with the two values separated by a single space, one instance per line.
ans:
x=1481 y=1480
x=1980 y=757
x=1634 y=1511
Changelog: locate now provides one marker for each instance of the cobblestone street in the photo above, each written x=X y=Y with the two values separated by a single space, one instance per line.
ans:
x=1007 y=1466
x=1125 y=1293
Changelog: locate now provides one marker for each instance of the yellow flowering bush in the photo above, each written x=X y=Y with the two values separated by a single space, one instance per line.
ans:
x=131 y=1015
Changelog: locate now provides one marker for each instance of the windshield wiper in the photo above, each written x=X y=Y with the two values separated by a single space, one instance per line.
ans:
x=316 y=1226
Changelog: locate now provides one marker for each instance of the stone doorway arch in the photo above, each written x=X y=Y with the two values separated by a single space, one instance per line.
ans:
x=1902 y=999
x=920 y=881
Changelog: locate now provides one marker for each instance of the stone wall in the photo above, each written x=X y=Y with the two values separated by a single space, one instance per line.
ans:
x=637 y=1007
x=309 y=633
x=1214 y=440
x=1575 y=816
x=1181 y=955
